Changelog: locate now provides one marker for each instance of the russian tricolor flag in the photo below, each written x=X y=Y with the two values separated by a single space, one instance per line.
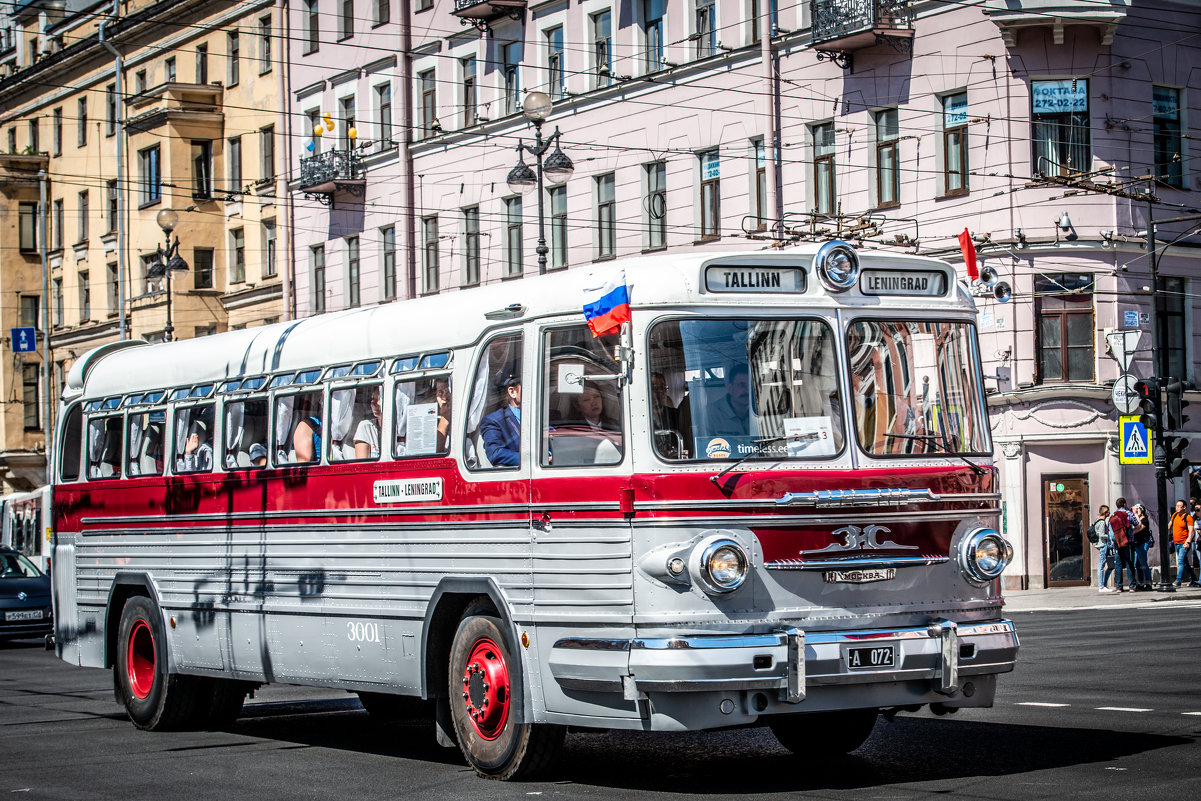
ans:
x=608 y=306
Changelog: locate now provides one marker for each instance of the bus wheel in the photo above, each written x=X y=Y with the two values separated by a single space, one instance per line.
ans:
x=486 y=701
x=154 y=699
x=220 y=702
x=823 y=734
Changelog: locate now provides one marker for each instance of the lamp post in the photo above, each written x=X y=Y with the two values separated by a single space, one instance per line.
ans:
x=557 y=167
x=169 y=261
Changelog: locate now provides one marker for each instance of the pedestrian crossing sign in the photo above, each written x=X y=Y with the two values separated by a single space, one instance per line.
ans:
x=1136 y=441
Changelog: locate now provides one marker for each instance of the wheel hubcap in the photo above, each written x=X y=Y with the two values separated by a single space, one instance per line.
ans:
x=139 y=661
x=486 y=689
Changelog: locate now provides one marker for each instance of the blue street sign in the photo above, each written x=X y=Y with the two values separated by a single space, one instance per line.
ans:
x=25 y=339
x=1136 y=441
x=1131 y=319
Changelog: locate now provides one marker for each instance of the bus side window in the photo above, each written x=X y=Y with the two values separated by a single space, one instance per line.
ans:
x=298 y=428
x=421 y=417
x=355 y=416
x=245 y=433
x=492 y=434
x=145 y=453
x=70 y=450
x=582 y=413
x=194 y=439
x=104 y=447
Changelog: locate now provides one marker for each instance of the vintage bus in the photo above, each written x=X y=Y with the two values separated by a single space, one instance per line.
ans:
x=766 y=498
x=25 y=525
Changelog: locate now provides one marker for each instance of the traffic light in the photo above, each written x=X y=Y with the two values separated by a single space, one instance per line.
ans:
x=1148 y=400
x=1174 y=458
x=1176 y=418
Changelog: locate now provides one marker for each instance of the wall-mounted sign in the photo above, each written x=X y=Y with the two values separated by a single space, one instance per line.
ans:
x=1059 y=97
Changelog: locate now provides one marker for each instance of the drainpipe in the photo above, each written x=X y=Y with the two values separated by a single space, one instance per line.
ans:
x=47 y=375
x=288 y=274
x=770 y=142
x=406 y=82
x=119 y=70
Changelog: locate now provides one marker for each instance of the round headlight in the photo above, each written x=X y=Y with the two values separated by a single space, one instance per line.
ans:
x=837 y=265
x=983 y=555
x=724 y=563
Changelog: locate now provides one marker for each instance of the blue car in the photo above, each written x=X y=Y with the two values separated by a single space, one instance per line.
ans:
x=24 y=598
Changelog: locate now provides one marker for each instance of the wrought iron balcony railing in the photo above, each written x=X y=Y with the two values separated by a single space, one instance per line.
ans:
x=330 y=167
x=854 y=24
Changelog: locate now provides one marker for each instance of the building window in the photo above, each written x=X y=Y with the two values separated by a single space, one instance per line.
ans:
x=139 y=81
x=602 y=47
x=85 y=297
x=237 y=267
x=557 y=200
x=954 y=144
x=346 y=20
x=606 y=211
x=57 y=225
x=382 y=12
x=428 y=103
x=264 y=45
x=314 y=116
x=312 y=27
x=267 y=153
x=150 y=180
x=652 y=21
x=823 y=168
x=29 y=398
x=58 y=131
x=513 y=236
x=429 y=253
x=1174 y=336
x=656 y=205
x=760 y=184
x=555 y=82
x=425 y=5
x=110 y=109
x=12 y=140
x=756 y=11
x=202 y=268
x=81 y=119
x=1059 y=121
x=202 y=63
x=84 y=217
x=1063 y=305
x=35 y=139
x=706 y=28
x=510 y=61
x=270 y=249
x=27 y=234
x=233 y=72
x=387 y=237
x=383 y=113
x=30 y=306
x=471 y=246
x=202 y=169
x=888 y=179
x=317 y=262
x=469 y=99
x=169 y=69
x=1168 y=158
x=234 y=160
x=110 y=194
x=710 y=195
x=353 y=282
x=57 y=299
x=113 y=288
x=348 y=121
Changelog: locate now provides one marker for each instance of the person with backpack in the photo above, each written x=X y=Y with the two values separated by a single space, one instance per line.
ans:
x=1143 y=541
x=1098 y=535
x=1183 y=533
x=1119 y=529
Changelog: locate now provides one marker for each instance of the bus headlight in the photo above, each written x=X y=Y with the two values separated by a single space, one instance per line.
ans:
x=983 y=555
x=723 y=565
x=837 y=265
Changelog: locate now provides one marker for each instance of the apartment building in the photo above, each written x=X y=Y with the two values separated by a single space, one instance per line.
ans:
x=163 y=106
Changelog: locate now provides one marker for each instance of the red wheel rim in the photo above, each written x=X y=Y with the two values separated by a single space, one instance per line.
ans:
x=486 y=689
x=139 y=660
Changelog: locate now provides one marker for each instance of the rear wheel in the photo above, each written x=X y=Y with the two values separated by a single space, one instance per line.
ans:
x=153 y=698
x=824 y=734
x=486 y=702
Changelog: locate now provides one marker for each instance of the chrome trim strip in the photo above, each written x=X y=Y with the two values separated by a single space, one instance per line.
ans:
x=795 y=677
x=961 y=497
x=865 y=562
x=880 y=496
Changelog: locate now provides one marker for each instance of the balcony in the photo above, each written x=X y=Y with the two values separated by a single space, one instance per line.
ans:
x=176 y=103
x=840 y=27
x=1053 y=16
x=326 y=174
x=20 y=172
x=480 y=12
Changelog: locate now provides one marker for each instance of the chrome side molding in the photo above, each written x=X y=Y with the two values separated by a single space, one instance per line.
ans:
x=880 y=496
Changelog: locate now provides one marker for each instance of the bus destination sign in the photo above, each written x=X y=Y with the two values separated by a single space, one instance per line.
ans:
x=931 y=283
x=729 y=278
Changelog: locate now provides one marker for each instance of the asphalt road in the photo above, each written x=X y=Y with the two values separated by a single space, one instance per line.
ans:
x=1103 y=704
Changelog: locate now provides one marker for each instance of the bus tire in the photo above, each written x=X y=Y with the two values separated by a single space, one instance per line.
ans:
x=484 y=701
x=154 y=699
x=220 y=702
x=386 y=706
x=824 y=734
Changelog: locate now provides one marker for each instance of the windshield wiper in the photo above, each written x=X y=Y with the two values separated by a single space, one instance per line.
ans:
x=941 y=447
x=808 y=439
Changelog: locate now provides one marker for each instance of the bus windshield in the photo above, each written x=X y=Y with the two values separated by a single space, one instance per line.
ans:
x=758 y=389
x=915 y=389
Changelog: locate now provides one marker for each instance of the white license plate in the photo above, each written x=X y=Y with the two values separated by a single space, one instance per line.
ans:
x=24 y=614
x=871 y=657
x=860 y=576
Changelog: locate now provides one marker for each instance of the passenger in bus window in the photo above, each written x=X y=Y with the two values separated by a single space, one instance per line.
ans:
x=589 y=410
x=442 y=396
x=258 y=455
x=665 y=419
x=730 y=415
x=501 y=430
x=198 y=448
x=306 y=437
x=366 y=436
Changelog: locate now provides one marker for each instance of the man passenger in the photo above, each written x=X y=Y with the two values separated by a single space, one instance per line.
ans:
x=501 y=430
x=730 y=416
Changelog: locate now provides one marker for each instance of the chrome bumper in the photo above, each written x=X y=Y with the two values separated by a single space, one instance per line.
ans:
x=789 y=661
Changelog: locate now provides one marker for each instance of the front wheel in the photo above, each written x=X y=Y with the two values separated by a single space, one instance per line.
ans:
x=485 y=704
x=823 y=734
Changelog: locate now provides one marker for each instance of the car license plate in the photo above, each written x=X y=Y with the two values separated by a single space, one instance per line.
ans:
x=24 y=614
x=872 y=657
x=860 y=576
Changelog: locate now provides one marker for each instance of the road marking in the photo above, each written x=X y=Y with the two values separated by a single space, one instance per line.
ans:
x=1122 y=709
x=1039 y=703
x=1190 y=713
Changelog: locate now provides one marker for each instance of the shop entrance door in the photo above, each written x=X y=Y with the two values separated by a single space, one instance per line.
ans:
x=1065 y=519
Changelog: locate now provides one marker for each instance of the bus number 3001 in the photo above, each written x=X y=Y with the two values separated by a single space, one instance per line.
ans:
x=362 y=632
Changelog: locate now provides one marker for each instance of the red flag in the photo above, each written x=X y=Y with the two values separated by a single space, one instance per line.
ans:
x=969 y=255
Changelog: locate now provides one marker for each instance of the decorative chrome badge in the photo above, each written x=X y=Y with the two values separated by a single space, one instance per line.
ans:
x=861 y=539
x=21 y=596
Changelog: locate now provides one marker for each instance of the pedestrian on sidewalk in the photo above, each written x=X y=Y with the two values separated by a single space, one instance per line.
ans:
x=1144 y=540
x=1098 y=535
x=1183 y=532
x=1119 y=528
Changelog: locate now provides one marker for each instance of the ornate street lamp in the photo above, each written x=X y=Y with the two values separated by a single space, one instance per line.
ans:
x=556 y=167
x=168 y=261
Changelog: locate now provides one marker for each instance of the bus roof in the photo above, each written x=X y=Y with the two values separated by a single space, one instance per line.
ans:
x=436 y=322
